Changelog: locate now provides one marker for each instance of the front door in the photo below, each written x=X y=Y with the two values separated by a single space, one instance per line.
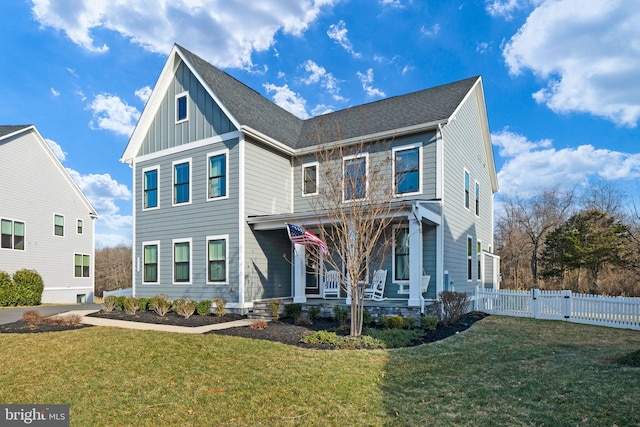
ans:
x=313 y=276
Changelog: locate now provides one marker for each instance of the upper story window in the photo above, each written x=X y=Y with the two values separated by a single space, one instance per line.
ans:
x=181 y=182
x=58 y=225
x=407 y=170
x=217 y=175
x=217 y=259
x=182 y=261
x=150 y=255
x=310 y=179
x=355 y=177
x=466 y=189
x=82 y=265
x=79 y=226
x=150 y=188
x=11 y=234
x=182 y=112
x=477 y=199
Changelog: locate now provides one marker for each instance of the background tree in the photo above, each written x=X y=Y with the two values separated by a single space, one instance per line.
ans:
x=113 y=268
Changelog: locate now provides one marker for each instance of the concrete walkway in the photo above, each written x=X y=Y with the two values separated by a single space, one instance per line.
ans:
x=9 y=315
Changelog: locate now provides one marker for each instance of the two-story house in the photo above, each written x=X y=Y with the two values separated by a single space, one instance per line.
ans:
x=46 y=222
x=218 y=171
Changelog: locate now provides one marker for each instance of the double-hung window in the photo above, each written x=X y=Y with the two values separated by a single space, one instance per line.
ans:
x=469 y=258
x=355 y=177
x=182 y=111
x=181 y=182
x=150 y=188
x=467 y=194
x=11 y=234
x=401 y=253
x=310 y=179
x=150 y=256
x=407 y=171
x=81 y=265
x=58 y=225
x=182 y=261
x=479 y=260
x=218 y=165
x=217 y=259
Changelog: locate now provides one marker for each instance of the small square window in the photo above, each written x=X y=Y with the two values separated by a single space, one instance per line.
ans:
x=79 y=226
x=181 y=108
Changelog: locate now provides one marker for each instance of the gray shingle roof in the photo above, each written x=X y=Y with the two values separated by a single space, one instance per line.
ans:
x=8 y=129
x=252 y=109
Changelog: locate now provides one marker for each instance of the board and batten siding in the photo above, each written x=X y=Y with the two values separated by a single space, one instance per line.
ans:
x=196 y=220
x=267 y=192
x=205 y=118
x=463 y=149
x=35 y=187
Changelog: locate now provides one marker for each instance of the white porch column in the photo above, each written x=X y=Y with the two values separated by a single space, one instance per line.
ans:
x=299 y=272
x=415 y=261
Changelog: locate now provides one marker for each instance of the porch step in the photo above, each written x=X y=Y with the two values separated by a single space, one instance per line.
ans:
x=260 y=310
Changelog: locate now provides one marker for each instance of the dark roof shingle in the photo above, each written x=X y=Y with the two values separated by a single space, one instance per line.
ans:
x=8 y=129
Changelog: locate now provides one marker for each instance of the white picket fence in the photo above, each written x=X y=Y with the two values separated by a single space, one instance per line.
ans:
x=617 y=312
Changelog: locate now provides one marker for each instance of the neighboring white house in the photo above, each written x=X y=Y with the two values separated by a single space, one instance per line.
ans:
x=46 y=223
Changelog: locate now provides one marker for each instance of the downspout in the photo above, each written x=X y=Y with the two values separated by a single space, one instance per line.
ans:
x=439 y=279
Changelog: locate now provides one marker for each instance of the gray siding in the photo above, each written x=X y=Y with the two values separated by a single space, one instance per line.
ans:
x=35 y=187
x=206 y=118
x=463 y=148
x=196 y=221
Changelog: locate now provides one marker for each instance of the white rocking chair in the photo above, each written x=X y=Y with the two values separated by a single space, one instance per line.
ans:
x=375 y=290
x=331 y=284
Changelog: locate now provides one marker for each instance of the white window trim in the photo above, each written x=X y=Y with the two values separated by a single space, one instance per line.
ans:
x=173 y=261
x=178 y=96
x=403 y=285
x=173 y=182
x=145 y=170
x=74 y=265
x=13 y=234
x=82 y=221
x=151 y=243
x=226 y=168
x=366 y=176
x=304 y=166
x=476 y=198
x=63 y=225
x=479 y=261
x=464 y=189
x=417 y=145
x=470 y=259
x=224 y=237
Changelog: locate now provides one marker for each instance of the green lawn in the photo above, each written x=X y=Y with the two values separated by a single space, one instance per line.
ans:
x=503 y=371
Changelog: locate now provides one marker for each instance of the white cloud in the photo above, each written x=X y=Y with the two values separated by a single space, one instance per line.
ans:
x=338 y=33
x=588 y=56
x=482 y=47
x=288 y=99
x=534 y=165
x=57 y=149
x=55 y=92
x=507 y=8
x=318 y=74
x=111 y=113
x=431 y=31
x=225 y=32
x=366 y=80
x=143 y=93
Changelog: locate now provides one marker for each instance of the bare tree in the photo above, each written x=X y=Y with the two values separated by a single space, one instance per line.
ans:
x=354 y=209
x=113 y=268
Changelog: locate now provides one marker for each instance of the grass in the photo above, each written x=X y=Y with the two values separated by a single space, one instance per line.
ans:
x=503 y=371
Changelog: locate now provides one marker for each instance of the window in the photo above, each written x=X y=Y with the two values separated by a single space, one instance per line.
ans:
x=310 y=179
x=477 y=199
x=79 y=226
x=406 y=170
x=150 y=189
x=181 y=261
x=58 y=225
x=18 y=235
x=182 y=113
x=217 y=175
x=82 y=265
x=217 y=259
x=11 y=234
x=355 y=177
x=466 y=189
x=181 y=178
x=150 y=256
x=469 y=258
x=479 y=257
x=401 y=253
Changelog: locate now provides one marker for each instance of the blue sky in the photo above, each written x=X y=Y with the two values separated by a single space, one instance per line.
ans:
x=560 y=76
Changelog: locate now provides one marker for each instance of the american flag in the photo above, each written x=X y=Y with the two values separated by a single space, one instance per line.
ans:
x=298 y=234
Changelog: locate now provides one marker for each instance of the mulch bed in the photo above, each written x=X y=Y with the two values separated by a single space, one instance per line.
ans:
x=284 y=330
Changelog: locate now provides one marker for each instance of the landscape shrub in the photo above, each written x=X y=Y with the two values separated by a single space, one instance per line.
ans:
x=454 y=306
x=410 y=322
x=321 y=337
x=340 y=315
x=109 y=303
x=160 y=304
x=120 y=302
x=144 y=304
x=392 y=322
x=7 y=290
x=395 y=338
x=274 y=309
x=131 y=305
x=68 y=320
x=429 y=323
x=314 y=312
x=292 y=310
x=258 y=324
x=28 y=286
x=203 y=308
x=32 y=317
x=366 y=317
x=302 y=320
x=185 y=307
x=343 y=342
x=220 y=306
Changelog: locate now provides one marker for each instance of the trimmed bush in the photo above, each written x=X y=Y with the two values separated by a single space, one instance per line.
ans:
x=366 y=317
x=109 y=303
x=131 y=305
x=292 y=310
x=120 y=302
x=185 y=307
x=393 y=322
x=220 y=306
x=203 y=308
x=29 y=287
x=144 y=304
x=7 y=290
x=429 y=323
x=160 y=304
x=274 y=309
x=340 y=315
x=314 y=312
